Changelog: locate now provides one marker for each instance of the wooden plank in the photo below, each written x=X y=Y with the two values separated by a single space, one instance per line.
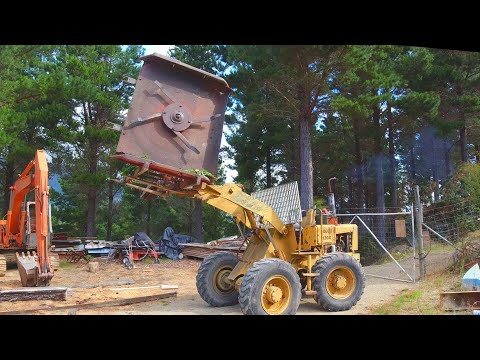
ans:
x=110 y=303
x=163 y=287
x=103 y=284
x=93 y=267
x=400 y=229
x=426 y=235
x=37 y=293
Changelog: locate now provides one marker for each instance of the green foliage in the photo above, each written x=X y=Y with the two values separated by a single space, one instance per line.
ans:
x=464 y=185
x=370 y=252
x=202 y=172
x=415 y=108
x=403 y=301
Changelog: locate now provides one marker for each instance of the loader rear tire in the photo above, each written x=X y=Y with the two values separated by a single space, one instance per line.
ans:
x=3 y=265
x=270 y=287
x=212 y=284
x=341 y=281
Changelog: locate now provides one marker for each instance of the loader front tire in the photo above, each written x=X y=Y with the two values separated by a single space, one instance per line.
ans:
x=212 y=283
x=270 y=287
x=341 y=281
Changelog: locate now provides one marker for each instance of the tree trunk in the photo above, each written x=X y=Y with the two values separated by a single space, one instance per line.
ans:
x=306 y=167
x=412 y=160
x=436 y=186
x=269 y=167
x=391 y=155
x=197 y=215
x=351 y=198
x=359 y=165
x=463 y=139
x=149 y=216
x=380 y=189
x=9 y=180
x=448 y=167
x=92 y=192
x=110 y=211
x=91 y=212
x=293 y=153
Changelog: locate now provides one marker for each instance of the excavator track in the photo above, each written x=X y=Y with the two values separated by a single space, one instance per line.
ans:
x=3 y=265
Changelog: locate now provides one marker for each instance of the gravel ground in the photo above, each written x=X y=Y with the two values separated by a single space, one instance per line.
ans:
x=187 y=301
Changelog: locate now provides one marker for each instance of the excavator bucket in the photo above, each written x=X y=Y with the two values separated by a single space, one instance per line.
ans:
x=175 y=120
x=28 y=267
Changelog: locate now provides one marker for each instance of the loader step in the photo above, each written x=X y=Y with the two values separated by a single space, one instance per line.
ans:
x=310 y=292
x=311 y=274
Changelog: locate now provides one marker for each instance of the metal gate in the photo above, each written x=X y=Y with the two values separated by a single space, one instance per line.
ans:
x=386 y=243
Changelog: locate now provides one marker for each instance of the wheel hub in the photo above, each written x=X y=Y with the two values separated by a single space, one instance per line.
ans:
x=222 y=281
x=274 y=294
x=340 y=282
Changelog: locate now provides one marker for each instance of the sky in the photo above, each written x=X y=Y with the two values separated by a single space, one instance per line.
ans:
x=162 y=49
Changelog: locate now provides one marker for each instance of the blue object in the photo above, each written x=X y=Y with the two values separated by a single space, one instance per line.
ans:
x=170 y=243
x=471 y=279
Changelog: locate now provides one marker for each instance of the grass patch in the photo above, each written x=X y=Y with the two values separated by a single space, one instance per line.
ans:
x=425 y=299
x=399 y=303
x=65 y=264
x=150 y=260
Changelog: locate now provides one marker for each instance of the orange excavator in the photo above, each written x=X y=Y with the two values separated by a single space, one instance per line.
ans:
x=27 y=227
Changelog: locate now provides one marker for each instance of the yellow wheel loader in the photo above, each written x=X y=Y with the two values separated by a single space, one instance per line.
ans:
x=172 y=135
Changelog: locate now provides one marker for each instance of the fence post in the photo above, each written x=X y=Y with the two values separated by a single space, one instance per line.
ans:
x=419 y=235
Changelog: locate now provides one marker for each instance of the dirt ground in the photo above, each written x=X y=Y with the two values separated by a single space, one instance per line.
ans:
x=182 y=273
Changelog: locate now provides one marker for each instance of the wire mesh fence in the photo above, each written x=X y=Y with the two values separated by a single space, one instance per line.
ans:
x=386 y=241
x=449 y=236
x=452 y=221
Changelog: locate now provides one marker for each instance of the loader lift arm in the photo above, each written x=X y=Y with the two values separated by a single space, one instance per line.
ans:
x=229 y=198
x=35 y=269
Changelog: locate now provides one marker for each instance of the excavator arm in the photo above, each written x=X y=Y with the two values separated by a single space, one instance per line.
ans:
x=230 y=198
x=34 y=268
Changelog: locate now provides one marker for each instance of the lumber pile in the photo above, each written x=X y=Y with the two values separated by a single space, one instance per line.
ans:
x=34 y=293
x=110 y=303
x=233 y=244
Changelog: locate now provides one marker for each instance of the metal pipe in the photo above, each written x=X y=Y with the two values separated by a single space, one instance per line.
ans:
x=413 y=244
x=331 y=197
x=388 y=278
x=383 y=247
x=280 y=254
x=377 y=214
x=330 y=184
